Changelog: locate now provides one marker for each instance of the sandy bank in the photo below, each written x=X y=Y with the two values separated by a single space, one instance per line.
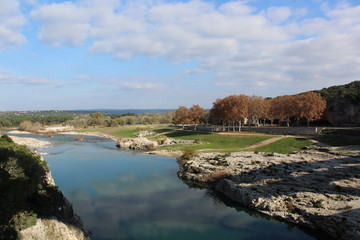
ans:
x=317 y=188
x=94 y=134
x=30 y=142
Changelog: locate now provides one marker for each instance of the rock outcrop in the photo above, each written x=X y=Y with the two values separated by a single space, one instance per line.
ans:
x=54 y=230
x=137 y=143
x=315 y=188
x=343 y=112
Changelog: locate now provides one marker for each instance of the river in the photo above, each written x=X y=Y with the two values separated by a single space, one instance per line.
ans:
x=128 y=195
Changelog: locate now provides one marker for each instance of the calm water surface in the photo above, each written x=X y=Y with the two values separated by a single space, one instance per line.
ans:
x=124 y=195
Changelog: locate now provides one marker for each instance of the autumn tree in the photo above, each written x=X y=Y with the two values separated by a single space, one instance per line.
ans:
x=282 y=108
x=311 y=106
x=230 y=110
x=196 y=115
x=181 y=115
x=256 y=109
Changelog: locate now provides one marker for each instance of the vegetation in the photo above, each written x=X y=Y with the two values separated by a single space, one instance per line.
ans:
x=194 y=115
x=340 y=140
x=215 y=141
x=285 y=145
x=187 y=153
x=13 y=119
x=24 y=194
x=351 y=91
x=82 y=119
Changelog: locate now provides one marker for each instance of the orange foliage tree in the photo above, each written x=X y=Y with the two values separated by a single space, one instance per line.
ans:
x=230 y=110
x=311 y=106
x=256 y=109
x=194 y=115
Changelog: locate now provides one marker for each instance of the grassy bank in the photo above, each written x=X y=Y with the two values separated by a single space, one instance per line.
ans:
x=225 y=142
x=285 y=145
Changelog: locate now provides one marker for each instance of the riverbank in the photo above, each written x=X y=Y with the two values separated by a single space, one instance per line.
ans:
x=317 y=188
x=30 y=142
x=31 y=206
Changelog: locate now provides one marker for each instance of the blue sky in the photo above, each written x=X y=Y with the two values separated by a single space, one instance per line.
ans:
x=120 y=54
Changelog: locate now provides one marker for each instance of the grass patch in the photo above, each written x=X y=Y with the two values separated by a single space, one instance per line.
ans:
x=285 y=145
x=215 y=141
x=339 y=140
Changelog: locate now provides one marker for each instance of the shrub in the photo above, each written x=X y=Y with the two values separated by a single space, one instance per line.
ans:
x=150 y=147
x=23 y=220
x=188 y=153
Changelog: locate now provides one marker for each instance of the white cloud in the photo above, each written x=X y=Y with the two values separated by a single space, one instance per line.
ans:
x=9 y=79
x=11 y=21
x=240 y=44
x=278 y=14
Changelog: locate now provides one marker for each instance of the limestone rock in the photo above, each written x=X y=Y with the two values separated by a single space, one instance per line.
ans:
x=317 y=188
x=137 y=143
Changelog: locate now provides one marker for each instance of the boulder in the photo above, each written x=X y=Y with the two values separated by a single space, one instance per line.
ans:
x=137 y=143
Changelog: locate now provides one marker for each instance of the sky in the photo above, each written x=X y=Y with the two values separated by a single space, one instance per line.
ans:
x=126 y=54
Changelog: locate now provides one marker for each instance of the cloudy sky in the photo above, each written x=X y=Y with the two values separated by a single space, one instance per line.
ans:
x=86 y=54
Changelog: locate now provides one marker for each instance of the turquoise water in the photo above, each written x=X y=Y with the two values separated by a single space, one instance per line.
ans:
x=127 y=195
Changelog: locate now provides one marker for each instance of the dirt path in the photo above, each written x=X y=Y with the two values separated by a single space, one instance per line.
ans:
x=264 y=143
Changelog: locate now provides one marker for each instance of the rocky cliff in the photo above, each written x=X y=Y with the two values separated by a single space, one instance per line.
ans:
x=343 y=112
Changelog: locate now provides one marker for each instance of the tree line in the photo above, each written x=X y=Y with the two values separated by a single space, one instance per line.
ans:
x=238 y=110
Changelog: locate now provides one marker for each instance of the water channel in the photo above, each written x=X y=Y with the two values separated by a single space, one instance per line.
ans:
x=128 y=195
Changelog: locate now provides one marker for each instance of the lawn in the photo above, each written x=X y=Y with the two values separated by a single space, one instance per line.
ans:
x=215 y=141
x=209 y=142
x=285 y=145
x=339 y=140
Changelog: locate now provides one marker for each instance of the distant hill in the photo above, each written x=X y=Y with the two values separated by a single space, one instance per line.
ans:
x=350 y=91
x=123 y=111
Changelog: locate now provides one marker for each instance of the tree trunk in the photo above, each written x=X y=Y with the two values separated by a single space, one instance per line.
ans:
x=307 y=122
x=240 y=126
x=233 y=126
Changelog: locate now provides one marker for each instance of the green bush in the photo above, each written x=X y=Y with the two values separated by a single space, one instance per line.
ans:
x=23 y=220
x=188 y=153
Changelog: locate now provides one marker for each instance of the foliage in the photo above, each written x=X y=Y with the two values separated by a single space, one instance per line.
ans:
x=30 y=126
x=309 y=105
x=194 y=115
x=285 y=145
x=188 y=153
x=23 y=220
x=232 y=109
x=13 y=119
x=23 y=191
x=351 y=91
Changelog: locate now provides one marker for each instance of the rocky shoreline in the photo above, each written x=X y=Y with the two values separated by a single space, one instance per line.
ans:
x=65 y=225
x=317 y=188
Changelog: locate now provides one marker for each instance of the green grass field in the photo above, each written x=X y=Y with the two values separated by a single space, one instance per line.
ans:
x=285 y=145
x=214 y=141
x=229 y=142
